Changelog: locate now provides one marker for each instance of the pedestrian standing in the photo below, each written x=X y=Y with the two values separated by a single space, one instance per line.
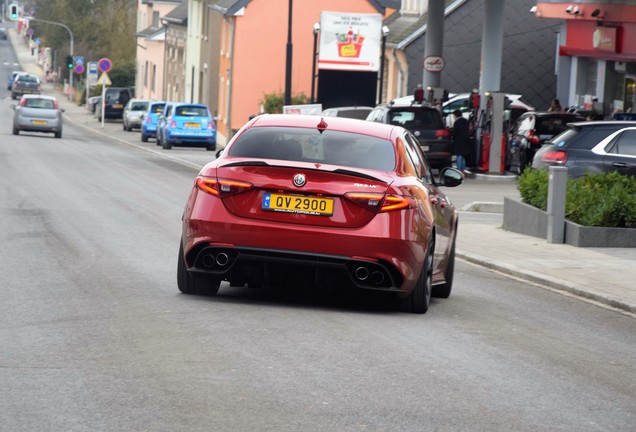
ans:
x=555 y=106
x=461 y=140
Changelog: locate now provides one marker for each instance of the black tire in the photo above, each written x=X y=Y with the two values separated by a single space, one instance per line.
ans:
x=58 y=134
x=444 y=290
x=144 y=137
x=14 y=96
x=419 y=300
x=211 y=147
x=15 y=131
x=158 y=139
x=189 y=283
x=165 y=144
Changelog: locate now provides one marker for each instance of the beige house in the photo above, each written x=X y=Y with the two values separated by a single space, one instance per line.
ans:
x=176 y=24
x=151 y=36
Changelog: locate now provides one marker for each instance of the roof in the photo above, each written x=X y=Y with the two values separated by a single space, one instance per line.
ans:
x=405 y=28
x=178 y=15
x=231 y=7
x=151 y=32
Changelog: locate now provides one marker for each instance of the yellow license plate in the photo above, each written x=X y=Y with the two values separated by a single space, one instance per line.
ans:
x=117 y=105
x=192 y=125
x=298 y=204
x=39 y=122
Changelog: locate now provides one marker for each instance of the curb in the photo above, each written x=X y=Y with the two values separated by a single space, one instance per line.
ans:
x=546 y=282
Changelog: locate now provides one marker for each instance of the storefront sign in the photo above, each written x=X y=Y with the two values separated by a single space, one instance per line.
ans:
x=350 y=41
x=604 y=39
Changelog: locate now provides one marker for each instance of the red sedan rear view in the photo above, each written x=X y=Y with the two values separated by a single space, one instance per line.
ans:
x=326 y=202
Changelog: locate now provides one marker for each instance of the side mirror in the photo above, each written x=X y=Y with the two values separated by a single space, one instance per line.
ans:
x=219 y=153
x=451 y=177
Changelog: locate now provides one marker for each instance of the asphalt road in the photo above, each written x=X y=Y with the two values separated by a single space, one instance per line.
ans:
x=95 y=336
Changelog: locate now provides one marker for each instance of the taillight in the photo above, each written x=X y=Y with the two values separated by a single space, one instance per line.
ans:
x=56 y=105
x=173 y=124
x=442 y=133
x=380 y=202
x=222 y=187
x=148 y=120
x=211 y=125
x=23 y=102
x=554 y=157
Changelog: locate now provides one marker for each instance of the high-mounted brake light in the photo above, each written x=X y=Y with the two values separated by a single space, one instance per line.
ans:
x=380 y=202
x=222 y=187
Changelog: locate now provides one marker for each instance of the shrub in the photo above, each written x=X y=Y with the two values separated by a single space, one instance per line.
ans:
x=604 y=200
x=533 y=187
x=273 y=102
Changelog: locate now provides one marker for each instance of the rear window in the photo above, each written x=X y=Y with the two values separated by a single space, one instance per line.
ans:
x=553 y=125
x=157 y=108
x=309 y=145
x=584 y=138
x=416 y=119
x=359 y=114
x=39 y=103
x=27 y=78
x=191 y=111
x=139 y=106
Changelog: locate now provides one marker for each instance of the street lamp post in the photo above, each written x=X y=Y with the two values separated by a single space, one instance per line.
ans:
x=70 y=75
x=288 y=62
x=385 y=33
x=313 y=63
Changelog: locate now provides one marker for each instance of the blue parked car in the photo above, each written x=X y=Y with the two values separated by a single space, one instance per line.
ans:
x=161 y=121
x=151 y=119
x=188 y=123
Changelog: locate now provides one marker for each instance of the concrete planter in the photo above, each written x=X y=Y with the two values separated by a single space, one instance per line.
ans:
x=528 y=220
x=583 y=236
x=524 y=219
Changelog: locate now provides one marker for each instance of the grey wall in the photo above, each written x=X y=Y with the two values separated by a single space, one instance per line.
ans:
x=529 y=50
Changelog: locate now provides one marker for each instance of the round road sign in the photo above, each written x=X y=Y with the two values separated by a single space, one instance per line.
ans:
x=79 y=69
x=104 y=65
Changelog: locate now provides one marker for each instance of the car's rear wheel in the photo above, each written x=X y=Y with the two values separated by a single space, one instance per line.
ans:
x=165 y=144
x=189 y=283
x=15 y=131
x=210 y=147
x=58 y=134
x=419 y=300
x=444 y=290
x=144 y=137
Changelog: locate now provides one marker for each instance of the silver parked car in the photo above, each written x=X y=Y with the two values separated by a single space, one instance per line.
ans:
x=38 y=113
x=133 y=113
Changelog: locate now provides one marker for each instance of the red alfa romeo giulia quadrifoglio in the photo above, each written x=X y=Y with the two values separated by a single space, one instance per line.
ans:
x=324 y=201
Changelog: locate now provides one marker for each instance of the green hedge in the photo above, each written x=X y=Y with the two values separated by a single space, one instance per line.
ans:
x=604 y=200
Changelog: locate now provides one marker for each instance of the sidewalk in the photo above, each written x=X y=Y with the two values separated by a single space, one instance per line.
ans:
x=606 y=276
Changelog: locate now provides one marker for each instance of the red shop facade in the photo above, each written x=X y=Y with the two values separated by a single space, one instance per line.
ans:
x=596 y=62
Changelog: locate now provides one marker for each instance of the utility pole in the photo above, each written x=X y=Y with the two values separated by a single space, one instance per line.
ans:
x=70 y=75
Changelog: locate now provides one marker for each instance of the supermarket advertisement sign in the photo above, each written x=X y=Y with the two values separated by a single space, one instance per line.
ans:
x=350 y=41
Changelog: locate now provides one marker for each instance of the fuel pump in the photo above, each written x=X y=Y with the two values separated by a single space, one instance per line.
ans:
x=492 y=156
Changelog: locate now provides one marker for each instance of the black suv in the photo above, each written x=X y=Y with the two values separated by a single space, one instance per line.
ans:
x=425 y=123
x=115 y=100
x=531 y=130
x=573 y=149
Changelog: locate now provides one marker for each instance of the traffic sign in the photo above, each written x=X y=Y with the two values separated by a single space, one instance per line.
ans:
x=79 y=69
x=79 y=60
x=104 y=64
x=104 y=80
x=92 y=73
